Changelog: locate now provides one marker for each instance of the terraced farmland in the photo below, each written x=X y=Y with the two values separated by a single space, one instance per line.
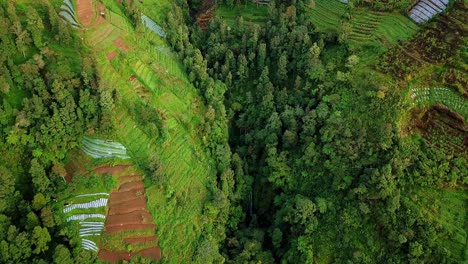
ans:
x=128 y=222
x=87 y=213
x=327 y=15
x=440 y=95
x=150 y=74
x=150 y=24
x=367 y=27
x=426 y=9
x=67 y=13
x=98 y=148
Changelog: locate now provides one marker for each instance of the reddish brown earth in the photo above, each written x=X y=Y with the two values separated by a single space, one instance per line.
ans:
x=130 y=206
x=85 y=11
x=112 y=55
x=77 y=165
x=151 y=252
x=130 y=186
x=101 y=10
x=131 y=218
x=120 y=43
x=127 y=212
x=110 y=169
x=117 y=198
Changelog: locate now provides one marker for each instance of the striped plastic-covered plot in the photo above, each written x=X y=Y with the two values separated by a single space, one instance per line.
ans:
x=89 y=245
x=92 y=194
x=85 y=216
x=426 y=9
x=93 y=204
x=90 y=224
x=97 y=148
x=149 y=23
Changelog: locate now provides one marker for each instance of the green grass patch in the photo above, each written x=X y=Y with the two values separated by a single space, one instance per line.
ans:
x=250 y=12
x=449 y=210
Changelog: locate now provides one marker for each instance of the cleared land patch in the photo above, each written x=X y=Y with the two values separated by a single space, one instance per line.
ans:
x=127 y=214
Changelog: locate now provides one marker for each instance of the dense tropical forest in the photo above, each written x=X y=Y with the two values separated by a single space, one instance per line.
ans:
x=172 y=131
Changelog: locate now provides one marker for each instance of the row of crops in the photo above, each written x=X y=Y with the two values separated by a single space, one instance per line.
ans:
x=426 y=9
x=67 y=13
x=149 y=23
x=89 y=213
x=98 y=148
x=440 y=95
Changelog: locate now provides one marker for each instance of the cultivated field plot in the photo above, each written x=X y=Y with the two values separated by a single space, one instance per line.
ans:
x=67 y=13
x=87 y=212
x=327 y=14
x=440 y=95
x=367 y=27
x=98 y=148
x=128 y=222
x=250 y=12
x=149 y=23
x=424 y=10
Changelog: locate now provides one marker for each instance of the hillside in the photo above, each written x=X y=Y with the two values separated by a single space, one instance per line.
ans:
x=174 y=131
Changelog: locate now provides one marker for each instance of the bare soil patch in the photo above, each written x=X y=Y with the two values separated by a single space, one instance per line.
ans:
x=129 y=206
x=140 y=240
x=111 y=169
x=132 y=218
x=120 y=197
x=85 y=11
x=112 y=55
x=101 y=10
x=152 y=252
x=120 y=43
x=131 y=186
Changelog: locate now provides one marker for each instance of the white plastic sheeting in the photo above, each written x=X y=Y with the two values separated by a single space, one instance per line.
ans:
x=92 y=194
x=98 y=148
x=67 y=12
x=91 y=223
x=426 y=9
x=85 y=216
x=440 y=95
x=93 y=204
x=89 y=245
x=149 y=23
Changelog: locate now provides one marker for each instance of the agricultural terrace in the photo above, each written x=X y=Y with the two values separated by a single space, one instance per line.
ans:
x=424 y=10
x=128 y=228
x=445 y=131
x=148 y=80
x=440 y=95
x=98 y=148
x=365 y=27
x=250 y=12
x=67 y=13
x=83 y=206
